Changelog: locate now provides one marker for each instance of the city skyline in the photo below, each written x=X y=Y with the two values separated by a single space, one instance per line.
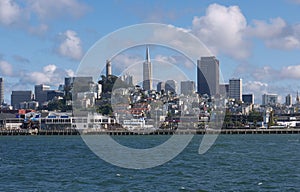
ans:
x=261 y=47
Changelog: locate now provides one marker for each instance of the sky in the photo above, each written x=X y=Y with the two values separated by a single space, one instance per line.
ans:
x=44 y=41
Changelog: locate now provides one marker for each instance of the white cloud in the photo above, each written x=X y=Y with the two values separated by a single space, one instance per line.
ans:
x=284 y=42
x=222 y=30
x=276 y=33
x=70 y=45
x=38 y=30
x=165 y=59
x=50 y=75
x=9 y=12
x=267 y=30
x=46 y=10
x=265 y=73
x=33 y=15
x=6 y=68
x=255 y=87
x=123 y=61
x=290 y=72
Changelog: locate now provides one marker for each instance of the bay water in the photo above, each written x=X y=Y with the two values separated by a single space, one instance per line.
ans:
x=234 y=163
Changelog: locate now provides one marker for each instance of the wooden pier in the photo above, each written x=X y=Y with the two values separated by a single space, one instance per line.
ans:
x=157 y=132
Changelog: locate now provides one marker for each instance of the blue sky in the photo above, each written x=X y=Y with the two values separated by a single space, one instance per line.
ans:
x=43 y=41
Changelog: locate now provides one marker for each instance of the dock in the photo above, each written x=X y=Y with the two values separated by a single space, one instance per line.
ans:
x=157 y=132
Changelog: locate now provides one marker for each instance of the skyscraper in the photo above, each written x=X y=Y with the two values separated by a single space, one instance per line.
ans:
x=18 y=97
x=248 y=98
x=161 y=86
x=147 y=72
x=235 y=89
x=170 y=86
x=1 y=90
x=40 y=93
x=208 y=76
x=187 y=87
x=288 y=100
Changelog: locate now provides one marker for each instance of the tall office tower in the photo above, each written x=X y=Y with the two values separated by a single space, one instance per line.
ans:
x=235 y=89
x=170 y=86
x=18 y=97
x=160 y=86
x=187 y=87
x=108 y=68
x=40 y=93
x=1 y=90
x=288 y=100
x=147 y=72
x=208 y=76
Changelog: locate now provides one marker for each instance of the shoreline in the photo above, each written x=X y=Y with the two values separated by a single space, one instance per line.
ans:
x=157 y=132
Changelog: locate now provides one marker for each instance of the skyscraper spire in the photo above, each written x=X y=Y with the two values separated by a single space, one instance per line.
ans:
x=297 y=98
x=147 y=55
x=147 y=71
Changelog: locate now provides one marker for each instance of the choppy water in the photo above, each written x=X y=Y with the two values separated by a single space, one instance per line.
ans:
x=234 y=163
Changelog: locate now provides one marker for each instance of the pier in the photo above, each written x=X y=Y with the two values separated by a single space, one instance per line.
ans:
x=157 y=132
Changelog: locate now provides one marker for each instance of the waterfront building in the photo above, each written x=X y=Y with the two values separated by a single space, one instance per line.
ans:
x=248 y=98
x=18 y=97
x=288 y=100
x=170 y=86
x=269 y=99
x=235 y=89
x=1 y=90
x=187 y=87
x=147 y=72
x=208 y=76
x=40 y=93
x=161 y=86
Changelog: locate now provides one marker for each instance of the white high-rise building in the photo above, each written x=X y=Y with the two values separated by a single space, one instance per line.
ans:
x=147 y=72
x=269 y=99
x=235 y=89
